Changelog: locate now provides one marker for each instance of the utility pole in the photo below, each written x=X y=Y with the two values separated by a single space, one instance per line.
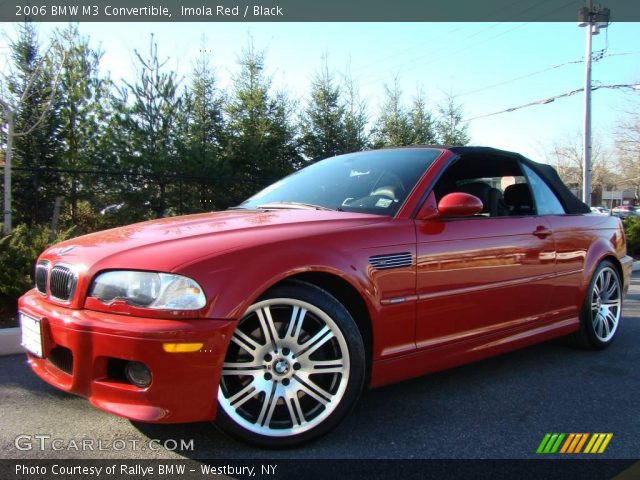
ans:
x=593 y=20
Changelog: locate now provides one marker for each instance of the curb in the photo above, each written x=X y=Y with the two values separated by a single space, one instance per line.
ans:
x=10 y=341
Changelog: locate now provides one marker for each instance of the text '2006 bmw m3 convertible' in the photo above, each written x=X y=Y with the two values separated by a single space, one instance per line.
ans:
x=357 y=271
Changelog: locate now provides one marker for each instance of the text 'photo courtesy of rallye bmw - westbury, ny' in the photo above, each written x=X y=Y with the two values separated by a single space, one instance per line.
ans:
x=143 y=471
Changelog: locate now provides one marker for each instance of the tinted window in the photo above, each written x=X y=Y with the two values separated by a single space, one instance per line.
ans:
x=546 y=201
x=370 y=182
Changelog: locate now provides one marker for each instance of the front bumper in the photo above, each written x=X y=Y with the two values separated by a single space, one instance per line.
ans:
x=184 y=386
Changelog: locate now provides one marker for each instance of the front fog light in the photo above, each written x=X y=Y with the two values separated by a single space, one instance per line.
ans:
x=138 y=374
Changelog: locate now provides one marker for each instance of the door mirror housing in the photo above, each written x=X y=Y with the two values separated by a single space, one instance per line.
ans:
x=459 y=204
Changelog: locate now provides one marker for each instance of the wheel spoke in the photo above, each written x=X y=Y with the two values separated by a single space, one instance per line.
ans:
x=245 y=341
x=247 y=369
x=315 y=342
x=268 y=405
x=295 y=323
x=612 y=318
x=605 y=325
x=295 y=410
x=243 y=395
x=326 y=366
x=268 y=327
x=304 y=387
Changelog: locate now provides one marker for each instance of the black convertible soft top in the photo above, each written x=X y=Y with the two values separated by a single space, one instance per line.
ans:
x=571 y=203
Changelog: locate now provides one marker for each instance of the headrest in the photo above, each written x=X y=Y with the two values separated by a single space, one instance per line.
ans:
x=518 y=195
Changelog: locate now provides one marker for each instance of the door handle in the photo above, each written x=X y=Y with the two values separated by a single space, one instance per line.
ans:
x=542 y=232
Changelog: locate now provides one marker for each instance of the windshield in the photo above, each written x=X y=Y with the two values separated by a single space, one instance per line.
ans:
x=369 y=182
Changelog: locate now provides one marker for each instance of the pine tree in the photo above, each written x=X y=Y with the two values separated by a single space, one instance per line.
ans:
x=450 y=126
x=394 y=125
x=356 y=137
x=153 y=126
x=82 y=114
x=422 y=123
x=261 y=140
x=323 y=122
x=205 y=137
x=31 y=85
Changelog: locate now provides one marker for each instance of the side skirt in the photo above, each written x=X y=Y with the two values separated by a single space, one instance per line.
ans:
x=431 y=360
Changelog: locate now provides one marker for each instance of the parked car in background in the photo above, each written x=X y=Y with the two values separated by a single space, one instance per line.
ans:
x=357 y=271
x=625 y=211
x=600 y=211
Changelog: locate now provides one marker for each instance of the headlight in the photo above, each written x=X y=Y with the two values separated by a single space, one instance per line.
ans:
x=161 y=291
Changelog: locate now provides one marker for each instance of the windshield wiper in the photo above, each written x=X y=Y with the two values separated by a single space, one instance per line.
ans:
x=294 y=205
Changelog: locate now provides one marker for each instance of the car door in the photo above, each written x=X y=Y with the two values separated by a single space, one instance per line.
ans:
x=482 y=275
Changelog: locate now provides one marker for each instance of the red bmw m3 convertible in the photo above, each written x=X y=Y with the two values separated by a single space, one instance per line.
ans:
x=357 y=271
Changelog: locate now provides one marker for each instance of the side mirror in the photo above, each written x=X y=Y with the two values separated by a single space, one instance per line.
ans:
x=459 y=204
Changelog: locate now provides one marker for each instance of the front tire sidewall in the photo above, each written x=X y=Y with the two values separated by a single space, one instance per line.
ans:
x=297 y=290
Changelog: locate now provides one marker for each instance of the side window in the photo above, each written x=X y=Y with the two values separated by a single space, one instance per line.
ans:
x=546 y=201
x=498 y=182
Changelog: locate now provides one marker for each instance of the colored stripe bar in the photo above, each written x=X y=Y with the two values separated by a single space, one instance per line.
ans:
x=576 y=441
x=550 y=443
x=543 y=443
x=583 y=439
x=600 y=439
x=605 y=443
x=555 y=447
x=593 y=440
x=567 y=443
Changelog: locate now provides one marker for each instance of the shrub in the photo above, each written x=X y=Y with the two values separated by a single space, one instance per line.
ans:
x=18 y=254
x=632 y=232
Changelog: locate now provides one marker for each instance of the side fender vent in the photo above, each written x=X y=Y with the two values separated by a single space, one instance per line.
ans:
x=391 y=260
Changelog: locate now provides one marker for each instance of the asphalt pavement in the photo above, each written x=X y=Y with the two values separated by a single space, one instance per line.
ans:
x=498 y=408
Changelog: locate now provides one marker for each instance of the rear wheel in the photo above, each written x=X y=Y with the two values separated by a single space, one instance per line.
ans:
x=294 y=368
x=602 y=309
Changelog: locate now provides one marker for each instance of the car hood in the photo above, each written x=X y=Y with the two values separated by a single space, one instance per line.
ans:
x=166 y=243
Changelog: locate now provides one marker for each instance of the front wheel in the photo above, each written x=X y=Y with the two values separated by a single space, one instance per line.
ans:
x=294 y=368
x=602 y=309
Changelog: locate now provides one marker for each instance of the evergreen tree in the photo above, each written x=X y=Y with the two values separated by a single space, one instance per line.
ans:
x=323 y=122
x=394 y=125
x=261 y=140
x=356 y=137
x=153 y=127
x=450 y=126
x=205 y=136
x=82 y=113
x=31 y=85
x=422 y=123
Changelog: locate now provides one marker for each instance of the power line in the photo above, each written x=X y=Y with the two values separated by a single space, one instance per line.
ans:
x=544 y=101
x=521 y=77
x=436 y=58
x=537 y=72
x=448 y=34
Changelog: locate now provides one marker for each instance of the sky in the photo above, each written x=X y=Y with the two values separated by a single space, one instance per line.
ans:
x=479 y=63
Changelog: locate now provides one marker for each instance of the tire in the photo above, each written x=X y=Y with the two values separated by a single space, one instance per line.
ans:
x=601 y=310
x=294 y=368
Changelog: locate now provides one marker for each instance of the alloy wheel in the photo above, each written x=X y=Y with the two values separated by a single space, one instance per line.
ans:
x=286 y=369
x=606 y=304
